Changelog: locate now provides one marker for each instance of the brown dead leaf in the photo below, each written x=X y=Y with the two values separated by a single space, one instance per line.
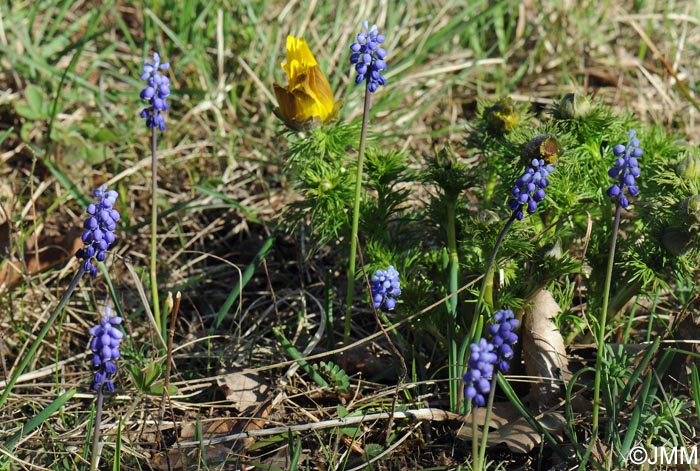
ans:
x=543 y=350
x=502 y=413
x=518 y=436
x=245 y=389
x=371 y=360
x=49 y=251
x=515 y=432
x=209 y=429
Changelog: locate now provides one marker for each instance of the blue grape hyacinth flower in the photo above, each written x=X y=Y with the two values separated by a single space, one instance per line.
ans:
x=155 y=93
x=626 y=170
x=369 y=57
x=99 y=228
x=528 y=191
x=503 y=337
x=385 y=288
x=489 y=356
x=106 y=339
x=481 y=366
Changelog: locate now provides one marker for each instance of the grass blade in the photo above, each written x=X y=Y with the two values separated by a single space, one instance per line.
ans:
x=245 y=278
x=36 y=421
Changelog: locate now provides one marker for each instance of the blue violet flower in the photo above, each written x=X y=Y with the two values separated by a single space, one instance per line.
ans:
x=385 y=288
x=369 y=57
x=529 y=189
x=625 y=170
x=489 y=356
x=99 y=228
x=155 y=93
x=105 y=349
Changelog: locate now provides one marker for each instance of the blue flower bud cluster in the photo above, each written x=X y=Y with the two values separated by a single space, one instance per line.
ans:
x=487 y=355
x=99 y=228
x=625 y=170
x=368 y=57
x=385 y=288
x=105 y=349
x=478 y=376
x=503 y=337
x=156 y=91
x=529 y=189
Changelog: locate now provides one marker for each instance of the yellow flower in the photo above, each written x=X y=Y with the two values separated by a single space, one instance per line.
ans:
x=307 y=102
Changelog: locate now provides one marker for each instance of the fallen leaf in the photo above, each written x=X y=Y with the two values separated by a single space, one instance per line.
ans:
x=543 y=350
x=518 y=436
x=245 y=389
x=209 y=429
x=38 y=255
x=508 y=427
x=502 y=413
x=371 y=360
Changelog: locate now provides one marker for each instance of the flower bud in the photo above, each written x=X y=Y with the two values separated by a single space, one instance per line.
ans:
x=676 y=241
x=690 y=212
x=445 y=158
x=544 y=146
x=573 y=106
x=689 y=167
x=502 y=117
x=326 y=185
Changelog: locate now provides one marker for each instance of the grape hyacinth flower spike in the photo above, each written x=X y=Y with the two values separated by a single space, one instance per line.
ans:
x=478 y=378
x=625 y=170
x=155 y=93
x=369 y=57
x=385 y=288
x=503 y=337
x=105 y=349
x=489 y=356
x=528 y=191
x=99 y=228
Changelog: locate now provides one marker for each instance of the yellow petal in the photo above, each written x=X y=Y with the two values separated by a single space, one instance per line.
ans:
x=308 y=99
x=287 y=104
x=299 y=59
x=322 y=92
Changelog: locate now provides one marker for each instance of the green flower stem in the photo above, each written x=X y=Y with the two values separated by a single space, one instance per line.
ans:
x=475 y=441
x=154 y=232
x=95 y=458
x=452 y=303
x=485 y=429
x=486 y=293
x=27 y=357
x=356 y=218
x=621 y=297
x=490 y=188
x=602 y=320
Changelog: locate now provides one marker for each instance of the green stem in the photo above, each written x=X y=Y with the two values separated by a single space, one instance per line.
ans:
x=487 y=420
x=356 y=219
x=154 y=232
x=27 y=357
x=486 y=292
x=475 y=441
x=95 y=458
x=452 y=304
x=602 y=320
x=490 y=188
